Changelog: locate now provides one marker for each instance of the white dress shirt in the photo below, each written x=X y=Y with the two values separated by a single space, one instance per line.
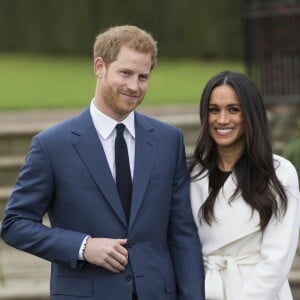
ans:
x=106 y=129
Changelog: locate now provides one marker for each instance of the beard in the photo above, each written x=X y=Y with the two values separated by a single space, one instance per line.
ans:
x=113 y=99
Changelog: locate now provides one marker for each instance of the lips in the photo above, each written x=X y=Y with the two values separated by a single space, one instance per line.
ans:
x=224 y=131
x=130 y=96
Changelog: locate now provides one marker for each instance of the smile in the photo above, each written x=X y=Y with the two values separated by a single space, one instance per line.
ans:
x=224 y=131
x=129 y=96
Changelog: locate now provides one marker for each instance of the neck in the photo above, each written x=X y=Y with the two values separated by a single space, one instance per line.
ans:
x=227 y=158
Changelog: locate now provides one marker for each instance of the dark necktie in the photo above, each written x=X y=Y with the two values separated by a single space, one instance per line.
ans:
x=123 y=175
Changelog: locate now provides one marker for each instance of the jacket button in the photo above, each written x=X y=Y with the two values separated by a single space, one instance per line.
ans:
x=128 y=277
x=130 y=244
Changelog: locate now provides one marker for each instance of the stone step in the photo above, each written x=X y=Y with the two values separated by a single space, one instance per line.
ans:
x=4 y=194
x=10 y=168
x=23 y=276
x=294 y=280
x=15 y=264
x=25 y=290
x=15 y=139
x=15 y=142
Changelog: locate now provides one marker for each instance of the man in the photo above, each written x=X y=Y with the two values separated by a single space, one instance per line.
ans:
x=102 y=246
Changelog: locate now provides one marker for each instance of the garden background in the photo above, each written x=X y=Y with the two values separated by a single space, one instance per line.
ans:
x=46 y=73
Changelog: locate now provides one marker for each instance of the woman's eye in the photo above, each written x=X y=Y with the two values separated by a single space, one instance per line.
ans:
x=234 y=109
x=213 y=110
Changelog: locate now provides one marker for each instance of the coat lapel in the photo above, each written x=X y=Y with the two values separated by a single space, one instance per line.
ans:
x=89 y=148
x=145 y=151
x=234 y=220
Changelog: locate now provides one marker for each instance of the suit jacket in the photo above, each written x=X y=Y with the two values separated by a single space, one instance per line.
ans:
x=66 y=175
x=241 y=261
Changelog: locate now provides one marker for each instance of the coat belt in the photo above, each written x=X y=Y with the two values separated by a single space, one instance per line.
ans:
x=222 y=279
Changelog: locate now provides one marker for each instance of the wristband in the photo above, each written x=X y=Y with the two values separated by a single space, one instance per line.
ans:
x=84 y=246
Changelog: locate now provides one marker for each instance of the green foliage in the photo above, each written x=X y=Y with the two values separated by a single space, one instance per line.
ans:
x=182 y=81
x=292 y=152
x=206 y=29
x=40 y=82
x=29 y=81
x=193 y=28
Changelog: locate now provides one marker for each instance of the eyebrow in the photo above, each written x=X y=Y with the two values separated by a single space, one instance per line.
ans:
x=230 y=104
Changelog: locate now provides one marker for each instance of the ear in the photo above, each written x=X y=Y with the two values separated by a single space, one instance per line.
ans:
x=99 y=67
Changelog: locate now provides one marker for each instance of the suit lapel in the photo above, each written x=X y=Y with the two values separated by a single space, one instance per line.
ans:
x=89 y=148
x=145 y=151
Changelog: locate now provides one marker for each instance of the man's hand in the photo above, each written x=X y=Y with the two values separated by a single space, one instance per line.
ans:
x=107 y=253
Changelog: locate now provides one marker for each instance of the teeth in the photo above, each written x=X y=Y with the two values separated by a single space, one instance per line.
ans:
x=224 y=131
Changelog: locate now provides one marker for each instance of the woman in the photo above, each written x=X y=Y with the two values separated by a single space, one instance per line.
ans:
x=245 y=199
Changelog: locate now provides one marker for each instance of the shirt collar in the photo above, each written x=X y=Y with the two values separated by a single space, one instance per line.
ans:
x=105 y=124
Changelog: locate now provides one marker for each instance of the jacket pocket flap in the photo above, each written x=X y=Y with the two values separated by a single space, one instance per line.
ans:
x=71 y=286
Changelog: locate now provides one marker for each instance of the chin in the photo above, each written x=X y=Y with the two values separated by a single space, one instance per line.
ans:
x=126 y=110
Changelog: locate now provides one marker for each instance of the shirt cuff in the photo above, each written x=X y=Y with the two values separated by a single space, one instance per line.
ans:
x=82 y=248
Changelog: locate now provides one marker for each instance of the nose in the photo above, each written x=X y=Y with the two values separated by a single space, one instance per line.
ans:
x=223 y=117
x=133 y=84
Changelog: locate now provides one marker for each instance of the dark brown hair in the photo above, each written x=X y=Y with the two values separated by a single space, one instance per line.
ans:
x=255 y=172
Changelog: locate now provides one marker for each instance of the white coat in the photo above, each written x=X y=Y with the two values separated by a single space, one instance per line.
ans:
x=241 y=261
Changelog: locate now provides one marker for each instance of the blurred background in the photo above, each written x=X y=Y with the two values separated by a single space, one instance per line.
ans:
x=197 y=29
x=46 y=75
x=46 y=47
x=46 y=53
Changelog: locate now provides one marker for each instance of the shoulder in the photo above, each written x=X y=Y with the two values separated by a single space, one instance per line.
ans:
x=77 y=124
x=198 y=188
x=285 y=170
x=156 y=123
x=281 y=164
x=199 y=175
x=157 y=127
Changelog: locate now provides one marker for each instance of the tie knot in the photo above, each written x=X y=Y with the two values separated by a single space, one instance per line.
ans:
x=120 y=128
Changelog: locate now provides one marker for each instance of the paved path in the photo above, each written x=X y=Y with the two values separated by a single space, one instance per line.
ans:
x=50 y=116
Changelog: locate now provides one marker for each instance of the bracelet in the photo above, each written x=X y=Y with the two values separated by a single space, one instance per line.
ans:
x=84 y=246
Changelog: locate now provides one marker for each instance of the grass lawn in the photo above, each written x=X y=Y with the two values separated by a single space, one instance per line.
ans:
x=34 y=81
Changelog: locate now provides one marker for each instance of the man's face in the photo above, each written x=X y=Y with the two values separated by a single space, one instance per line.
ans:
x=121 y=85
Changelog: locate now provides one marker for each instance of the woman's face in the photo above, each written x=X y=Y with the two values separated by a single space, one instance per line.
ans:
x=225 y=118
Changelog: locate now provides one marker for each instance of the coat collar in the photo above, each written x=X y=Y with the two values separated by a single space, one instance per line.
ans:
x=234 y=220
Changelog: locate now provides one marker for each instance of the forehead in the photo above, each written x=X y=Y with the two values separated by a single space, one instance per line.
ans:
x=129 y=58
x=224 y=94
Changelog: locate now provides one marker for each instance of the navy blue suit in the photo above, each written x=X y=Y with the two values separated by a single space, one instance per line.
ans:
x=67 y=176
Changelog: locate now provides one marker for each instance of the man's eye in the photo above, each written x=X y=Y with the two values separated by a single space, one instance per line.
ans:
x=144 y=78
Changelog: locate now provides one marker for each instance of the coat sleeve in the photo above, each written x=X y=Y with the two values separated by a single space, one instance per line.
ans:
x=22 y=226
x=279 y=244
